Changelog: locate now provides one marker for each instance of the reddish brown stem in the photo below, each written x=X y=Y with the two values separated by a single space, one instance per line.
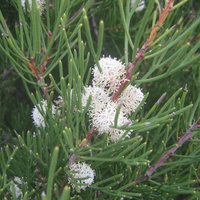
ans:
x=73 y=157
x=45 y=91
x=38 y=74
x=91 y=133
x=34 y=70
x=160 y=22
x=140 y=52
x=165 y=156
x=129 y=71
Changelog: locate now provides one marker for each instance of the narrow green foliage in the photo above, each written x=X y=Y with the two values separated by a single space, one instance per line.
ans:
x=51 y=172
x=65 y=193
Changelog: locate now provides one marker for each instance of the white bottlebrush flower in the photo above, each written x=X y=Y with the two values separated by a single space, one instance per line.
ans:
x=116 y=134
x=104 y=118
x=38 y=114
x=17 y=182
x=140 y=6
x=40 y=4
x=112 y=75
x=102 y=112
x=99 y=97
x=83 y=174
x=60 y=101
x=130 y=99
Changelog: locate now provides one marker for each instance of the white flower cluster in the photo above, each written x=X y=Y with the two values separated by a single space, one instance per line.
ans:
x=102 y=110
x=40 y=4
x=17 y=182
x=113 y=74
x=83 y=174
x=38 y=114
x=140 y=6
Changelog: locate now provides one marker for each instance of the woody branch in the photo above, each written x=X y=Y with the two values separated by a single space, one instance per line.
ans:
x=165 y=156
x=140 y=52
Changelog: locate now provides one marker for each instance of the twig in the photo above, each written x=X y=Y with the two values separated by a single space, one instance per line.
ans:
x=129 y=71
x=84 y=143
x=89 y=135
x=38 y=74
x=75 y=14
x=164 y=14
x=164 y=157
x=7 y=72
x=140 y=52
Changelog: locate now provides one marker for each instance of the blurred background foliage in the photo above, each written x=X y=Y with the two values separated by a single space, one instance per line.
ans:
x=14 y=103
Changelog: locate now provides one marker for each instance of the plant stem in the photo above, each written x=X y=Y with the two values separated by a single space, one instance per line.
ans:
x=163 y=16
x=164 y=157
x=140 y=52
